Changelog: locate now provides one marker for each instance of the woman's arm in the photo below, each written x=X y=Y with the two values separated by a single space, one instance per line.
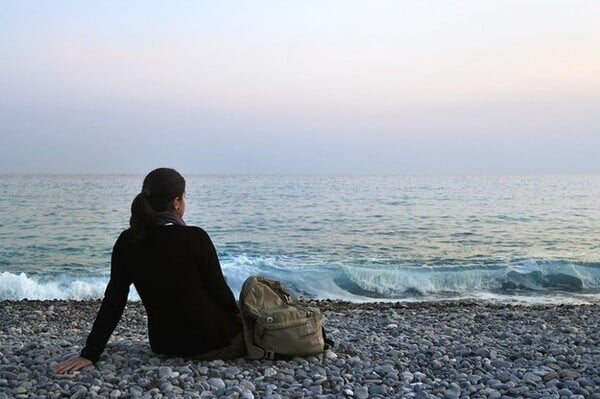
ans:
x=115 y=298
x=215 y=283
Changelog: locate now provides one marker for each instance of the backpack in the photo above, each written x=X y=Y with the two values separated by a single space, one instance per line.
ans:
x=274 y=326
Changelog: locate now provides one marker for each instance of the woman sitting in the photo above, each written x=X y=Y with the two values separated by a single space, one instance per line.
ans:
x=175 y=269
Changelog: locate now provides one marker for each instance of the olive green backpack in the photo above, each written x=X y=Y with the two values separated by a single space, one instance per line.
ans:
x=274 y=326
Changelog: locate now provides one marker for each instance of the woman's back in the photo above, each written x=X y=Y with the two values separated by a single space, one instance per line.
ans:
x=175 y=269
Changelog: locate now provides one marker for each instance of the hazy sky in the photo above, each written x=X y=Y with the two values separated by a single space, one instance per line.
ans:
x=300 y=87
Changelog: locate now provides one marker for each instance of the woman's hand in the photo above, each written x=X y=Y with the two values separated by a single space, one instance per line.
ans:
x=72 y=365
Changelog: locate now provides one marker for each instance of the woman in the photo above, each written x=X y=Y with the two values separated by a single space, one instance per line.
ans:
x=175 y=269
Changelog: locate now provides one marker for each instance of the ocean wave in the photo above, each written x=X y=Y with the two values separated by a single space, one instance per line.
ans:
x=20 y=286
x=535 y=279
x=388 y=281
x=532 y=276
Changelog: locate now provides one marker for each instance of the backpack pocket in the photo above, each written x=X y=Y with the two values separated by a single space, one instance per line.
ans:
x=292 y=330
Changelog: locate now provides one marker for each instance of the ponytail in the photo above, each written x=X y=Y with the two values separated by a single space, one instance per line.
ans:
x=142 y=215
x=160 y=188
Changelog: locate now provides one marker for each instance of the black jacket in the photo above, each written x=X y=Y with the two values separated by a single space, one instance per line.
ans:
x=175 y=269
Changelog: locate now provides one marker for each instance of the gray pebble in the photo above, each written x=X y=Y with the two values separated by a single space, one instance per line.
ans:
x=166 y=386
x=432 y=353
x=80 y=394
x=452 y=393
x=422 y=395
x=270 y=372
x=361 y=393
x=20 y=390
x=531 y=379
x=407 y=377
x=164 y=372
x=216 y=383
x=436 y=364
x=247 y=385
x=247 y=395
x=231 y=372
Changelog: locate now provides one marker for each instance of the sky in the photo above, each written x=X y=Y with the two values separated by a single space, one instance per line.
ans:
x=300 y=87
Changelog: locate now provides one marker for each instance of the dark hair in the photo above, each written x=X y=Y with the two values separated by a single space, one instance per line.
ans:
x=160 y=188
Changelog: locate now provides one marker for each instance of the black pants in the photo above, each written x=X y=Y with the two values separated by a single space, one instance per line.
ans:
x=235 y=350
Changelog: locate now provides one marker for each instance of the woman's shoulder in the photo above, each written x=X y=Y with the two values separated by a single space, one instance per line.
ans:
x=195 y=237
x=181 y=231
x=128 y=237
x=195 y=231
x=125 y=238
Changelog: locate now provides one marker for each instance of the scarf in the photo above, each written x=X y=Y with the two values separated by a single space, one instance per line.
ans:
x=168 y=218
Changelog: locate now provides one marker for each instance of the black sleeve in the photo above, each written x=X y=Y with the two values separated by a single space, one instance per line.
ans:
x=115 y=298
x=215 y=281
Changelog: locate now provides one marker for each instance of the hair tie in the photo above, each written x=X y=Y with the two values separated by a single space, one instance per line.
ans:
x=146 y=192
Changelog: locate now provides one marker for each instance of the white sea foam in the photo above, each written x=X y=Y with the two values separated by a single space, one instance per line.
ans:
x=534 y=278
x=307 y=281
x=20 y=286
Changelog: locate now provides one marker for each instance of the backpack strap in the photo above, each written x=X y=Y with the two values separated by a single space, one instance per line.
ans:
x=254 y=352
x=329 y=343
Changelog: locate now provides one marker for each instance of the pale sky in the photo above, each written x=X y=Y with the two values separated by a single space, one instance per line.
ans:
x=300 y=87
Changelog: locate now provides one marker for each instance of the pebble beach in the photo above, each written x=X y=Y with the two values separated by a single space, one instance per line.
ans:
x=382 y=350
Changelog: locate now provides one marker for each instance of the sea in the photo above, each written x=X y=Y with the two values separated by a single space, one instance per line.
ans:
x=516 y=239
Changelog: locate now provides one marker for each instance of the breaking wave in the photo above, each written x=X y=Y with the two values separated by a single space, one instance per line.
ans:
x=536 y=280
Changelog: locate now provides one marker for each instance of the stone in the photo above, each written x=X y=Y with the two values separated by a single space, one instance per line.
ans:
x=407 y=377
x=20 y=390
x=483 y=352
x=452 y=392
x=551 y=375
x=316 y=389
x=216 y=383
x=231 y=372
x=164 y=372
x=565 y=392
x=247 y=385
x=270 y=372
x=436 y=364
x=247 y=395
x=571 y=374
x=422 y=395
x=80 y=394
x=531 y=378
x=361 y=393
x=491 y=393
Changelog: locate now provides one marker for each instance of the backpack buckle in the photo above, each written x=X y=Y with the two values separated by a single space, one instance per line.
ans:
x=270 y=355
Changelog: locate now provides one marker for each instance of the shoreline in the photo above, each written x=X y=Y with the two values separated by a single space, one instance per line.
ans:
x=447 y=349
